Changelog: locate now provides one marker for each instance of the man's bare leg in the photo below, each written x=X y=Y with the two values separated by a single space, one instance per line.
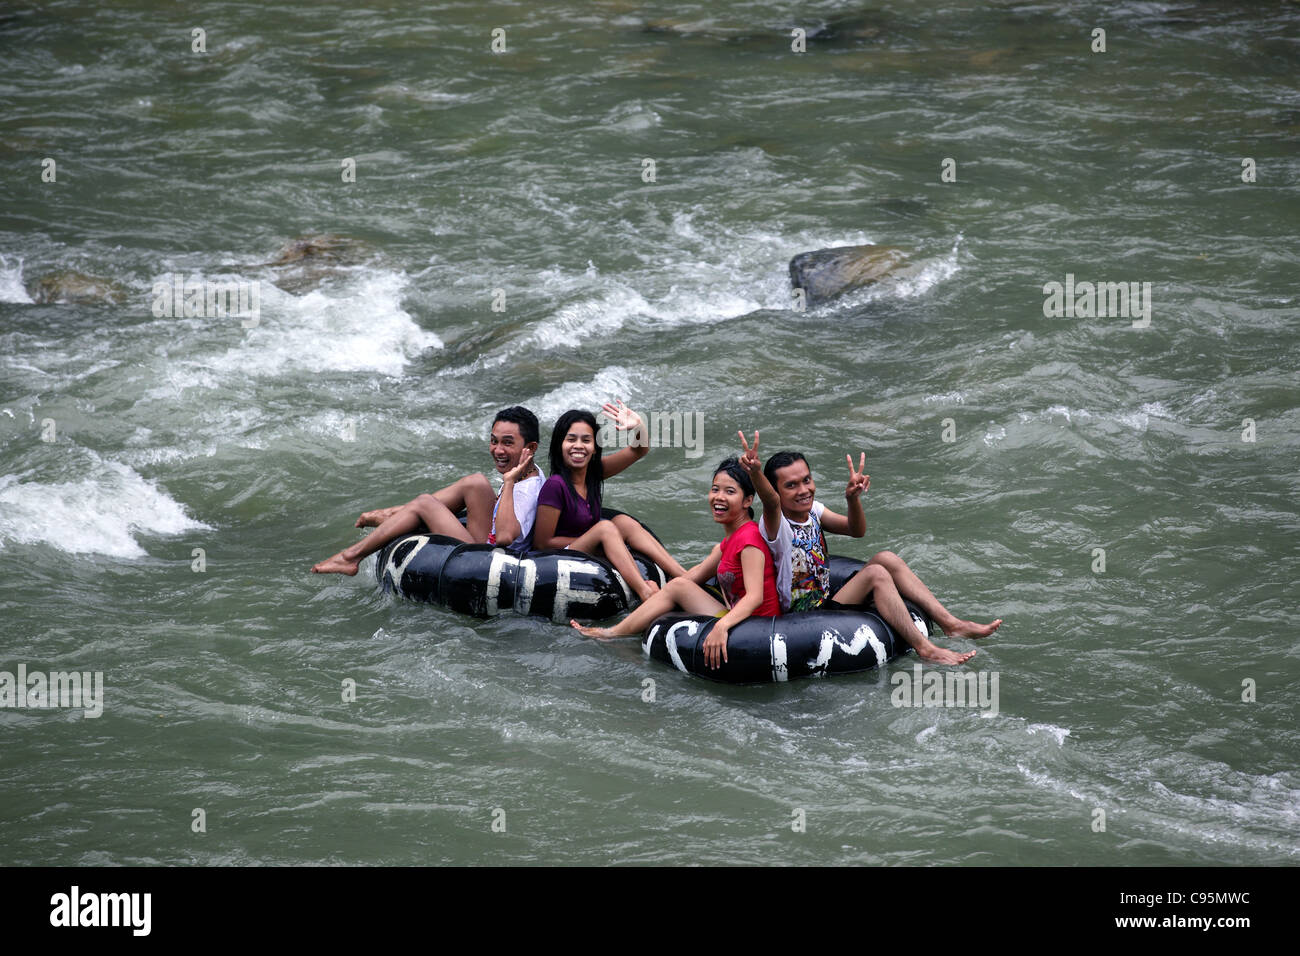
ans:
x=373 y=519
x=874 y=579
x=642 y=540
x=454 y=497
x=912 y=588
x=425 y=510
x=678 y=593
x=473 y=493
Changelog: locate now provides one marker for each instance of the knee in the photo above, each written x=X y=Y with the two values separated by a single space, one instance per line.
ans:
x=874 y=575
x=423 y=501
x=886 y=559
x=477 y=481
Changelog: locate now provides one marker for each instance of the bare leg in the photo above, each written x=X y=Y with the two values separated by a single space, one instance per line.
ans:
x=605 y=534
x=471 y=493
x=642 y=540
x=678 y=593
x=875 y=579
x=474 y=494
x=426 y=510
x=373 y=519
x=912 y=588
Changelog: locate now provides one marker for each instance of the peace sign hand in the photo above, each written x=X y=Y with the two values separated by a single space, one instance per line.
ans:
x=749 y=460
x=858 y=480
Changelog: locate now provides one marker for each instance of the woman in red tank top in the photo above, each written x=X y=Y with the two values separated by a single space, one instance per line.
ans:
x=741 y=562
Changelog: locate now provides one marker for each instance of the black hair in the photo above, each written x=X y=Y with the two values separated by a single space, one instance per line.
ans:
x=739 y=475
x=522 y=417
x=595 y=469
x=781 y=459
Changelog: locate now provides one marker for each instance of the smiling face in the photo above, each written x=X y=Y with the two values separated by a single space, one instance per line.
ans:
x=506 y=445
x=727 y=501
x=795 y=487
x=579 y=445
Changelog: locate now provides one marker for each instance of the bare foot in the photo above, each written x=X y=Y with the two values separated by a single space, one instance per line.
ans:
x=336 y=565
x=646 y=589
x=941 y=655
x=373 y=519
x=600 y=633
x=970 y=628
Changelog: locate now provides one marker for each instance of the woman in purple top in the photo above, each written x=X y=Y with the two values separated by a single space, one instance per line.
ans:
x=568 y=506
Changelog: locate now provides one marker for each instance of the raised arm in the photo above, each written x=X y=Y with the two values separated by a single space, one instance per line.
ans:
x=854 y=523
x=766 y=493
x=625 y=419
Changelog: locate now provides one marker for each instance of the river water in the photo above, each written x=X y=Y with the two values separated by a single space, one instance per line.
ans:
x=1122 y=492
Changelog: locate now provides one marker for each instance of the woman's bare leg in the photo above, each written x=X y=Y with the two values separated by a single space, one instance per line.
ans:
x=425 y=510
x=912 y=588
x=605 y=534
x=639 y=539
x=678 y=593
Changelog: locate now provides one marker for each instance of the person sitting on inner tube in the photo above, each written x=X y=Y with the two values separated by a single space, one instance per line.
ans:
x=568 y=507
x=742 y=563
x=798 y=543
x=502 y=519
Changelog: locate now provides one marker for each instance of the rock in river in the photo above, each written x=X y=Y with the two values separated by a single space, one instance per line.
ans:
x=826 y=273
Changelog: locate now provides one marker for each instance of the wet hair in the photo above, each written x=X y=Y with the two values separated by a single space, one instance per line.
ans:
x=595 y=470
x=731 y=466
x=781 y=459
x=522 y=417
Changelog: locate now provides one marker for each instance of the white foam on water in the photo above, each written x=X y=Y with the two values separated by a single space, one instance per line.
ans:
x=1135 y=420
x=1138 y=420
x=631 y=115
x=474 y=424
x=607 y=385
x=615 y=308
x=621 y=304
x=578 y=321
x=715 y=283
x=182 y=374
x=1057 y=733
x=355 y=324
x=97 y=514
x=1157 y=409
x=914 y=279
x=930 y=275
x=11 y=283
x=1066 y=413
x=994 y=435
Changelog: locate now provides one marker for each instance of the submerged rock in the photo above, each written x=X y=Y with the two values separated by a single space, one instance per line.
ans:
x=826 y=273
x=77 y=288
x=307 y=262
x=325 y=247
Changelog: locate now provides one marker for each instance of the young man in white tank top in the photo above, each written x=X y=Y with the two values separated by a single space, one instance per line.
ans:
x=794 y=524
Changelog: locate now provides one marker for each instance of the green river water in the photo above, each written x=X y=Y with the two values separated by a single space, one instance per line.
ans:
x=1005 y=445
